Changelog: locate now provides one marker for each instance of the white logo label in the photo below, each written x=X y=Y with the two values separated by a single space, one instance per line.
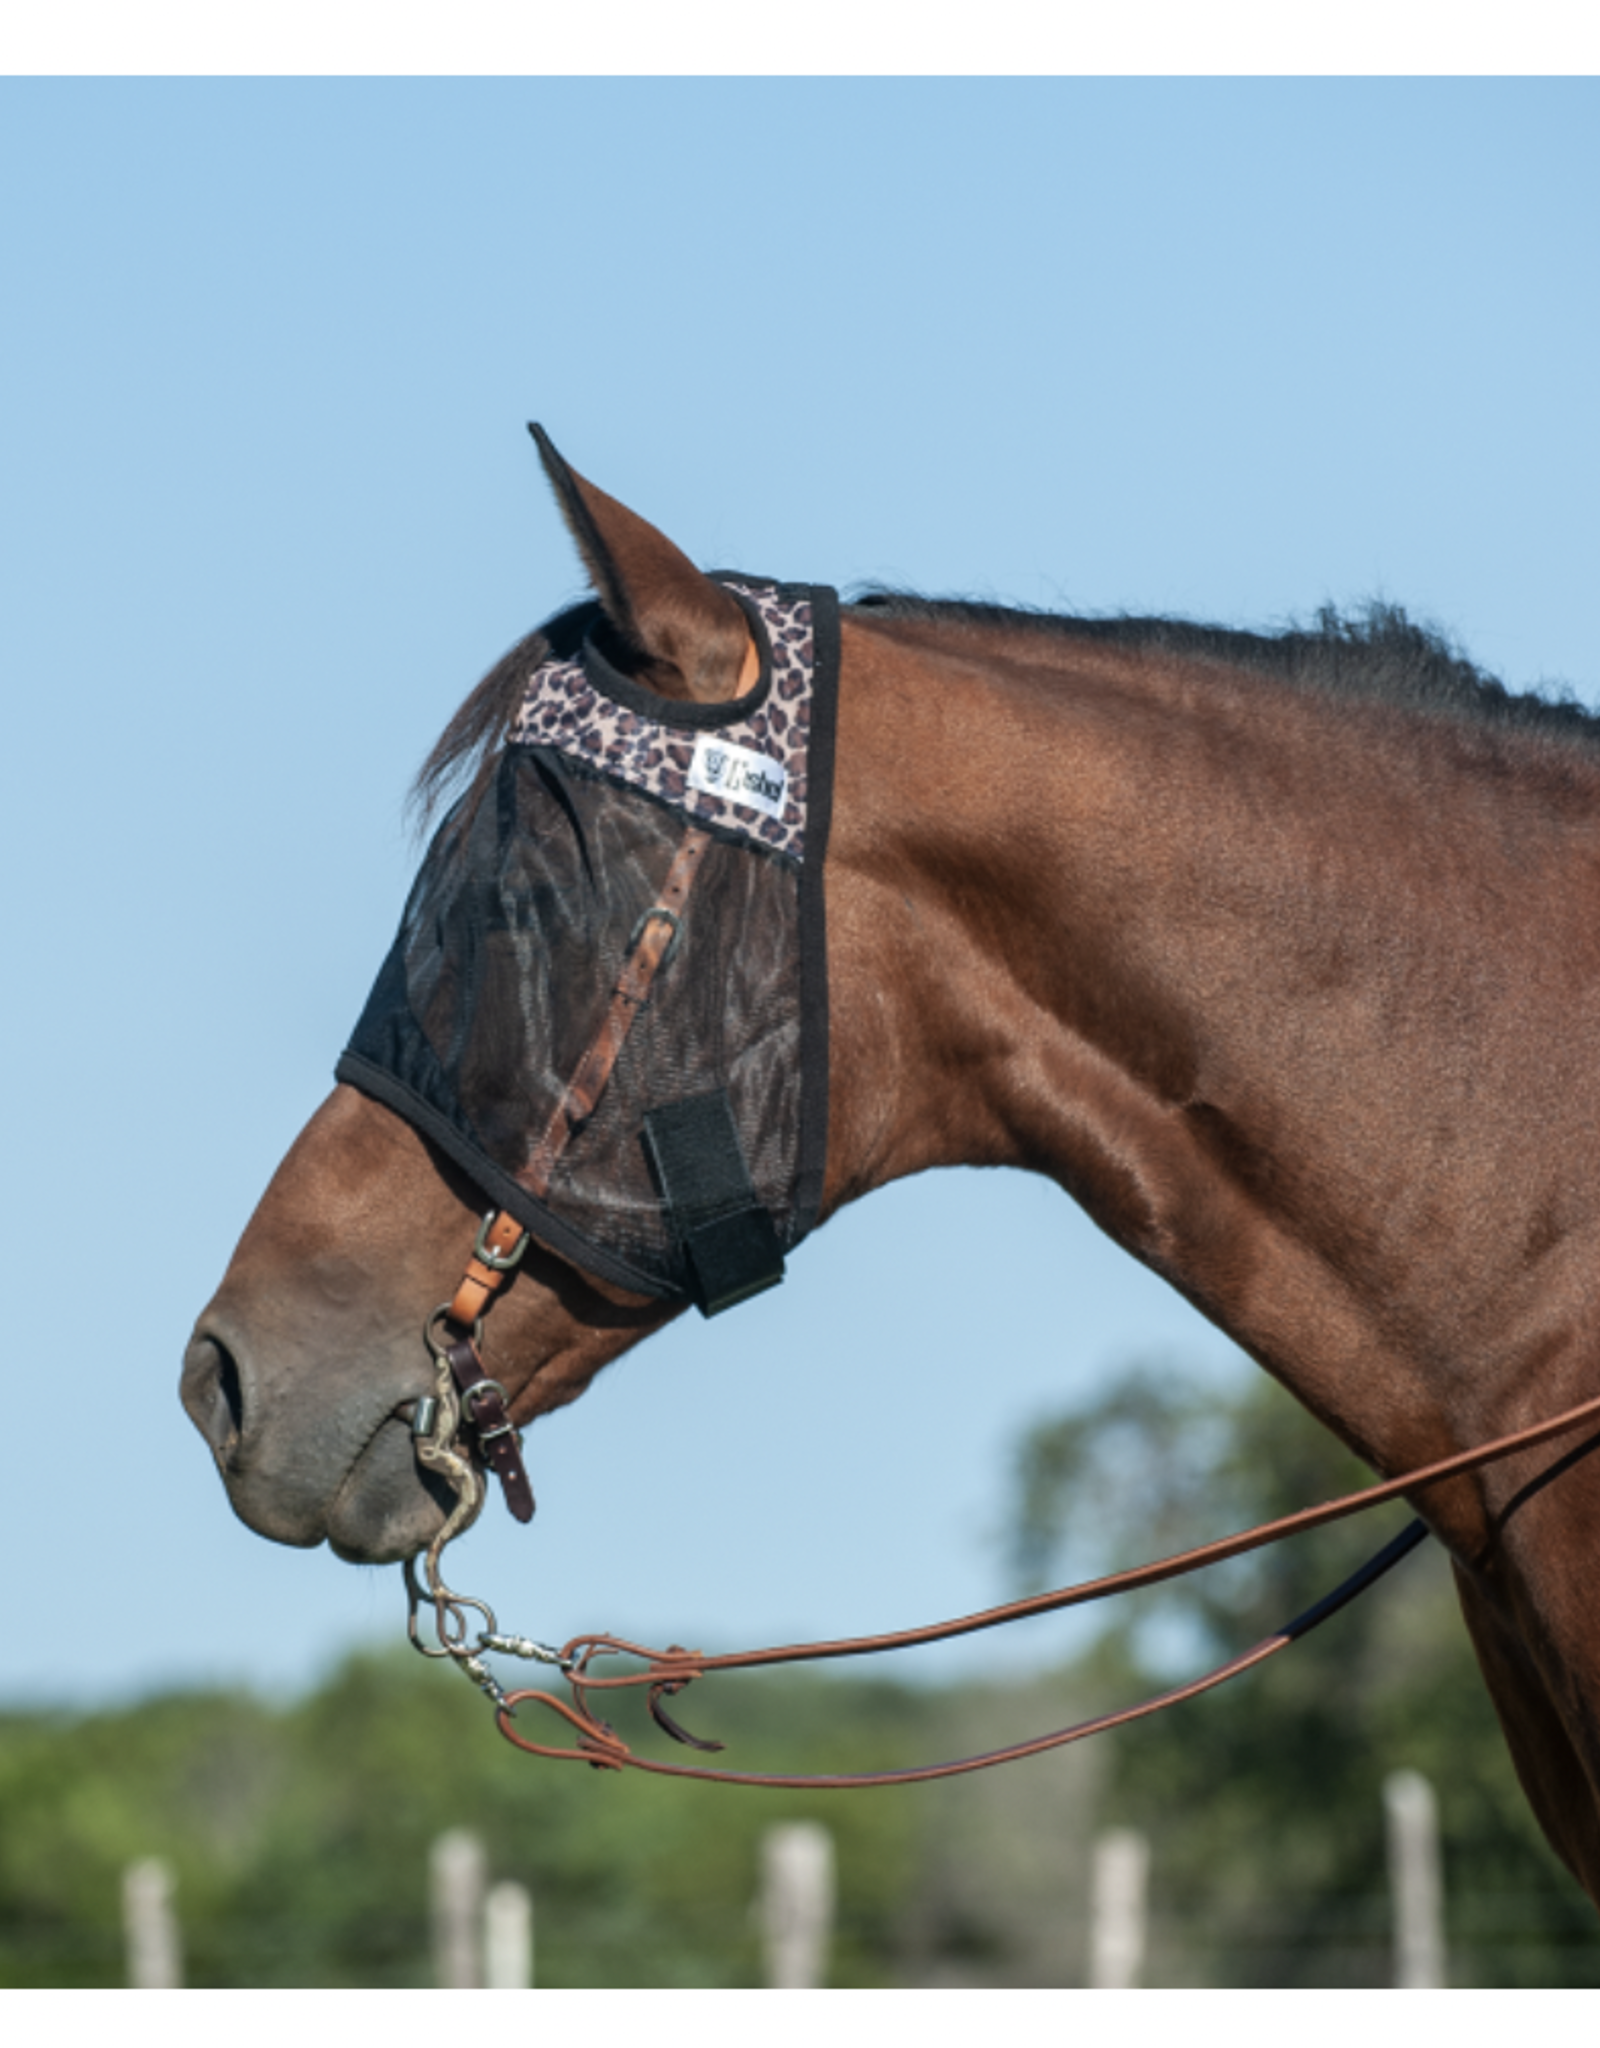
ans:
x=740 y=774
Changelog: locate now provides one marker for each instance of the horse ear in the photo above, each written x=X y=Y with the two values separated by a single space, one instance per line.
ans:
x=681 y=634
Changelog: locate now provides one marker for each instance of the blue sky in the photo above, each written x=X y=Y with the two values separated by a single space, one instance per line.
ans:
x=1234 y=349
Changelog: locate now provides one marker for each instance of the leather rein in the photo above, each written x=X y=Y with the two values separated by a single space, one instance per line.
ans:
x=667 y=1672
x=467 y=1401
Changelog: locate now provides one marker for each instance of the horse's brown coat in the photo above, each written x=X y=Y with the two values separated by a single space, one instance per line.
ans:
x=1297 y=993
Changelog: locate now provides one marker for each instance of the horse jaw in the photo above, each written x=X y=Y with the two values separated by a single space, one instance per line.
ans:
x=304 y=1367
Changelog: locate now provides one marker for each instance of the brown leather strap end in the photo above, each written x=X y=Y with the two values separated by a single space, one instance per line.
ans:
x=668 y=1724
x=503 y=1454
x=483 y=1405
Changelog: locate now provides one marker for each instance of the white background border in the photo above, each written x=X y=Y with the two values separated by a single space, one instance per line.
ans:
x=634 y=38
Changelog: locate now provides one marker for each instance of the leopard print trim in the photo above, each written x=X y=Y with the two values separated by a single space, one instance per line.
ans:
x=561 y=708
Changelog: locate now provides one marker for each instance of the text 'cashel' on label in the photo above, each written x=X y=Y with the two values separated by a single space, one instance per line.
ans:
x=739 y=775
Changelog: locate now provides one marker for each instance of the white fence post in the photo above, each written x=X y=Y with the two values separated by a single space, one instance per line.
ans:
x=508 y=1929
x=155 y=1958
x=1117 y=1926
x=796 y=1904
x=1414 y=1880
x=456 y=1874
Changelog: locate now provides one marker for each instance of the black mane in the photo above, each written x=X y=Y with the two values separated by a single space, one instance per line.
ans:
x=1379 y=653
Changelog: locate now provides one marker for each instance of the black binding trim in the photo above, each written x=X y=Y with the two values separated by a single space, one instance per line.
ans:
x=610 y=682
x=728 y=1240
x=498 y=1185
x=812 y=1160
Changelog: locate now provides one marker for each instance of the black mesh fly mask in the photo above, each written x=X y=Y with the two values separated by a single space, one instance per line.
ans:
x=698 y=1162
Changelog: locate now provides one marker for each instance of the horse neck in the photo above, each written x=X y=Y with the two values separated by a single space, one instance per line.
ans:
x=1253 y=972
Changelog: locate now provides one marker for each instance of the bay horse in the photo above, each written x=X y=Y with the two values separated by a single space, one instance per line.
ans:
x=1280 y=954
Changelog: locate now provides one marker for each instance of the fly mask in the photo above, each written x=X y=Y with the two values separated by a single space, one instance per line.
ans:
x=685 y=1158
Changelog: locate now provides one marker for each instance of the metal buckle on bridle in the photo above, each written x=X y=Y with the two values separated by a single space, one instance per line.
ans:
x=467 y=1396
x=497 y=1262
x=469 y=1401
x=658 y=912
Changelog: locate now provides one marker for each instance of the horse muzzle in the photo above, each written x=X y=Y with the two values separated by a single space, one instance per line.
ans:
x=341 y=1469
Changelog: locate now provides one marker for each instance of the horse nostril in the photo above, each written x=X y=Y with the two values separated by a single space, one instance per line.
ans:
x=212 y=1394
x=228 y=1386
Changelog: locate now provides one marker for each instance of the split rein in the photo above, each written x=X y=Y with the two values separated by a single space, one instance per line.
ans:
x=466 y=1396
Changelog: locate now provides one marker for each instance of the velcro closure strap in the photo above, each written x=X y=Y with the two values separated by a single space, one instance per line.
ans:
x=727 y=1237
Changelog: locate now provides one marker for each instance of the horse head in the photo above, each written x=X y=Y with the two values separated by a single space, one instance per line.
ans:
x=306 y=1366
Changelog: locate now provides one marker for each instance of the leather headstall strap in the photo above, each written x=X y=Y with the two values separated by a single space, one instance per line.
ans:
x=501 y=1240
x=655 y=940
x=495 y=1257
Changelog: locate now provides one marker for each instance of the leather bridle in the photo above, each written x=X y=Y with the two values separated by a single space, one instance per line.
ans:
x=666 y=1672
x=468 y=1401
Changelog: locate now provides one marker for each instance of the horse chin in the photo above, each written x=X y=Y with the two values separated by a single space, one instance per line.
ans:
x=389 y=1507
x=379 y=1507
